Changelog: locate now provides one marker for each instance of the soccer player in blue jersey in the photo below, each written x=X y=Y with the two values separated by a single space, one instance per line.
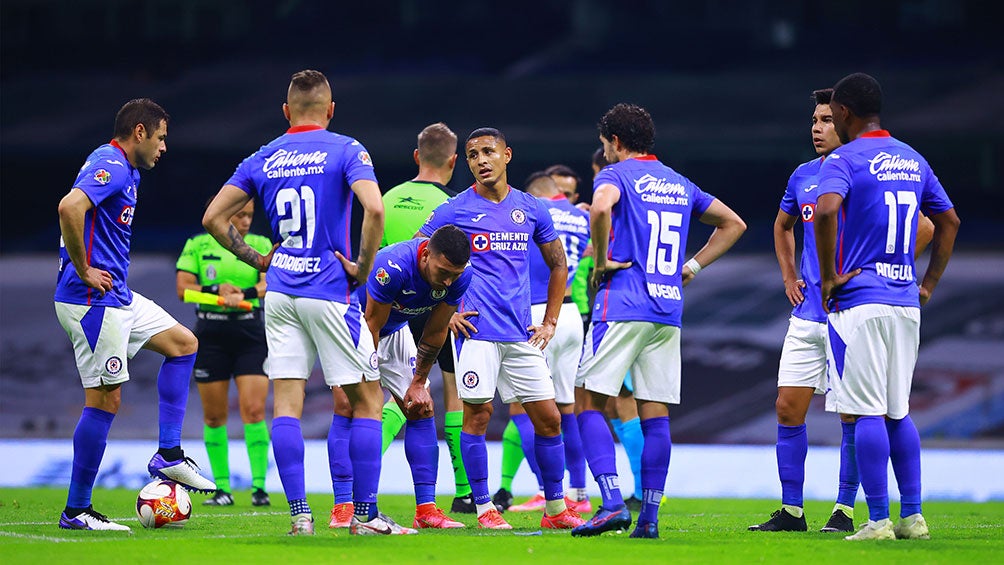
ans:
x=639 y=219
x=869 y=192
x=499 y=347
x=563 y=351
x=412 y=278
x=107 y=322
x=305 y=180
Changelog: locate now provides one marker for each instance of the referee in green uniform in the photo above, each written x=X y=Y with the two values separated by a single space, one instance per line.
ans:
x=231 y=344
x=406 y=207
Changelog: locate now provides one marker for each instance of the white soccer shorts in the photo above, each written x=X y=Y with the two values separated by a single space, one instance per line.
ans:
x=649 y=350
x=517 y=369
x=105 y=337
x=871 y=354
x=564 y=350
x=803 y=356
x=300 y=329
x=396 y=360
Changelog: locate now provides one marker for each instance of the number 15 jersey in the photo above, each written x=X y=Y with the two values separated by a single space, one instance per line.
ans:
x=302 y=179
x=649 y=228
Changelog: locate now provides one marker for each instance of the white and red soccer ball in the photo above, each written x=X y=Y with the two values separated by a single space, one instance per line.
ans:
x=163 y=504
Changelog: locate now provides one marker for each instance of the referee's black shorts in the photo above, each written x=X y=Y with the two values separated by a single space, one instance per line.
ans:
x=445 y=359
x=229 y=345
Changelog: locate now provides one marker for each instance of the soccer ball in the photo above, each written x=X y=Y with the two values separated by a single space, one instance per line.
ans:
x=163 y=503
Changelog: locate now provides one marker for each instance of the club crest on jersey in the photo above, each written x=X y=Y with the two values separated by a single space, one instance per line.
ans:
x=808 y=211
x=518 y=216
x=471 y=379
x=211 y=272
x=113 y=365
x=411 y=361
x=438 y=293
x=480 y=242
x=125 y=216
x=102 y=176
x=382 y=277
x=364 y=158
x=373 y=360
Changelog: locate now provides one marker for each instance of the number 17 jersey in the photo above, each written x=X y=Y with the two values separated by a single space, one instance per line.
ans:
x=302 y=179
x=649 y=228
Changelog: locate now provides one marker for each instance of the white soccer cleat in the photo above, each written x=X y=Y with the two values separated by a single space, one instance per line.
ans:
x=183 y=471
x=881 y=530
x=90 y=520
x=382 y=525
x=303 y=525
x=913 y=526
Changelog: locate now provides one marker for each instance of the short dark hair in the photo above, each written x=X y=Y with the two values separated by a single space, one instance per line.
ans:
x=487 y=132
x=537 y=181
x=599 y=159
x=436 y=144
x=139 y=111
x=562 y=171
x=307 y=80
x=452 y=243
x=861 y=93
x=822 y=96
x=632 y=125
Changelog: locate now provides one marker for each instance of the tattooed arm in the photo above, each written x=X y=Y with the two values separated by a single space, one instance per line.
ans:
x=417 y=400
x=217 y=222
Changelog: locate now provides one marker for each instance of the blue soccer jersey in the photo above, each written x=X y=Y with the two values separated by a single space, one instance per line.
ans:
x=396 y=280
x=883 y=182
x=111 y=183
x=572 y=226
x=799 y=200
x=501 y=236
x=303 y=181
x=649 y=228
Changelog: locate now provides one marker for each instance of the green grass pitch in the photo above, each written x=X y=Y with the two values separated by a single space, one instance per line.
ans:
x=693 y=531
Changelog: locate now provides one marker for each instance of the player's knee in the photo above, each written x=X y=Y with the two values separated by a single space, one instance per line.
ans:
x=215 y=420
x=476 y=417
x=187 y=342
x=790 y=412
x=252 y=412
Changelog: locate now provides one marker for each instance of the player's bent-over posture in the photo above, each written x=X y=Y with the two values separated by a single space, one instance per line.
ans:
x=870 y=190
x=107 y=322
x=305 y=180
x=639 y=302
x=498 y=347
x=409 y=279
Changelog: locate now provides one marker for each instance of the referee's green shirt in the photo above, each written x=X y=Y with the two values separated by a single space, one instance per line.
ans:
x=407 y=205
x=213 y=264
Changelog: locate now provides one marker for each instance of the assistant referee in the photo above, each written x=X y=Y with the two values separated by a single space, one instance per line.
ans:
x=231 y=344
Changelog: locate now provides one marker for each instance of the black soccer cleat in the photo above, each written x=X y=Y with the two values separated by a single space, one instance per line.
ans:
x=464 y=505
x=781 y=521
x=633 y=503
x=260 y=498
x=221 y=498
x=502 y=499
x=838 y=522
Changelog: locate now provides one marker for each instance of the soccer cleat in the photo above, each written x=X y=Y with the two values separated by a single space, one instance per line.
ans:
x=430 y=516
x=303 y=525
x=221 y=498
x=535 y=504
x=260 y=498
x=913 y=526
x=183 y=471
x=566 y=520
x=502 y=500
x=493 y=520
x=646 y=530
x=604 y=521
x=838 y=522
x=90 y=519
x=341 y=515
x=633 y=503
x=781 y=521
x=464 y=505
x=583 y=506
x=382 y=525
x=881 y=530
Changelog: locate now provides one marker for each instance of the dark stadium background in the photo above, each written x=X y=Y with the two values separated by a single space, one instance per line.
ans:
x=727 y=82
